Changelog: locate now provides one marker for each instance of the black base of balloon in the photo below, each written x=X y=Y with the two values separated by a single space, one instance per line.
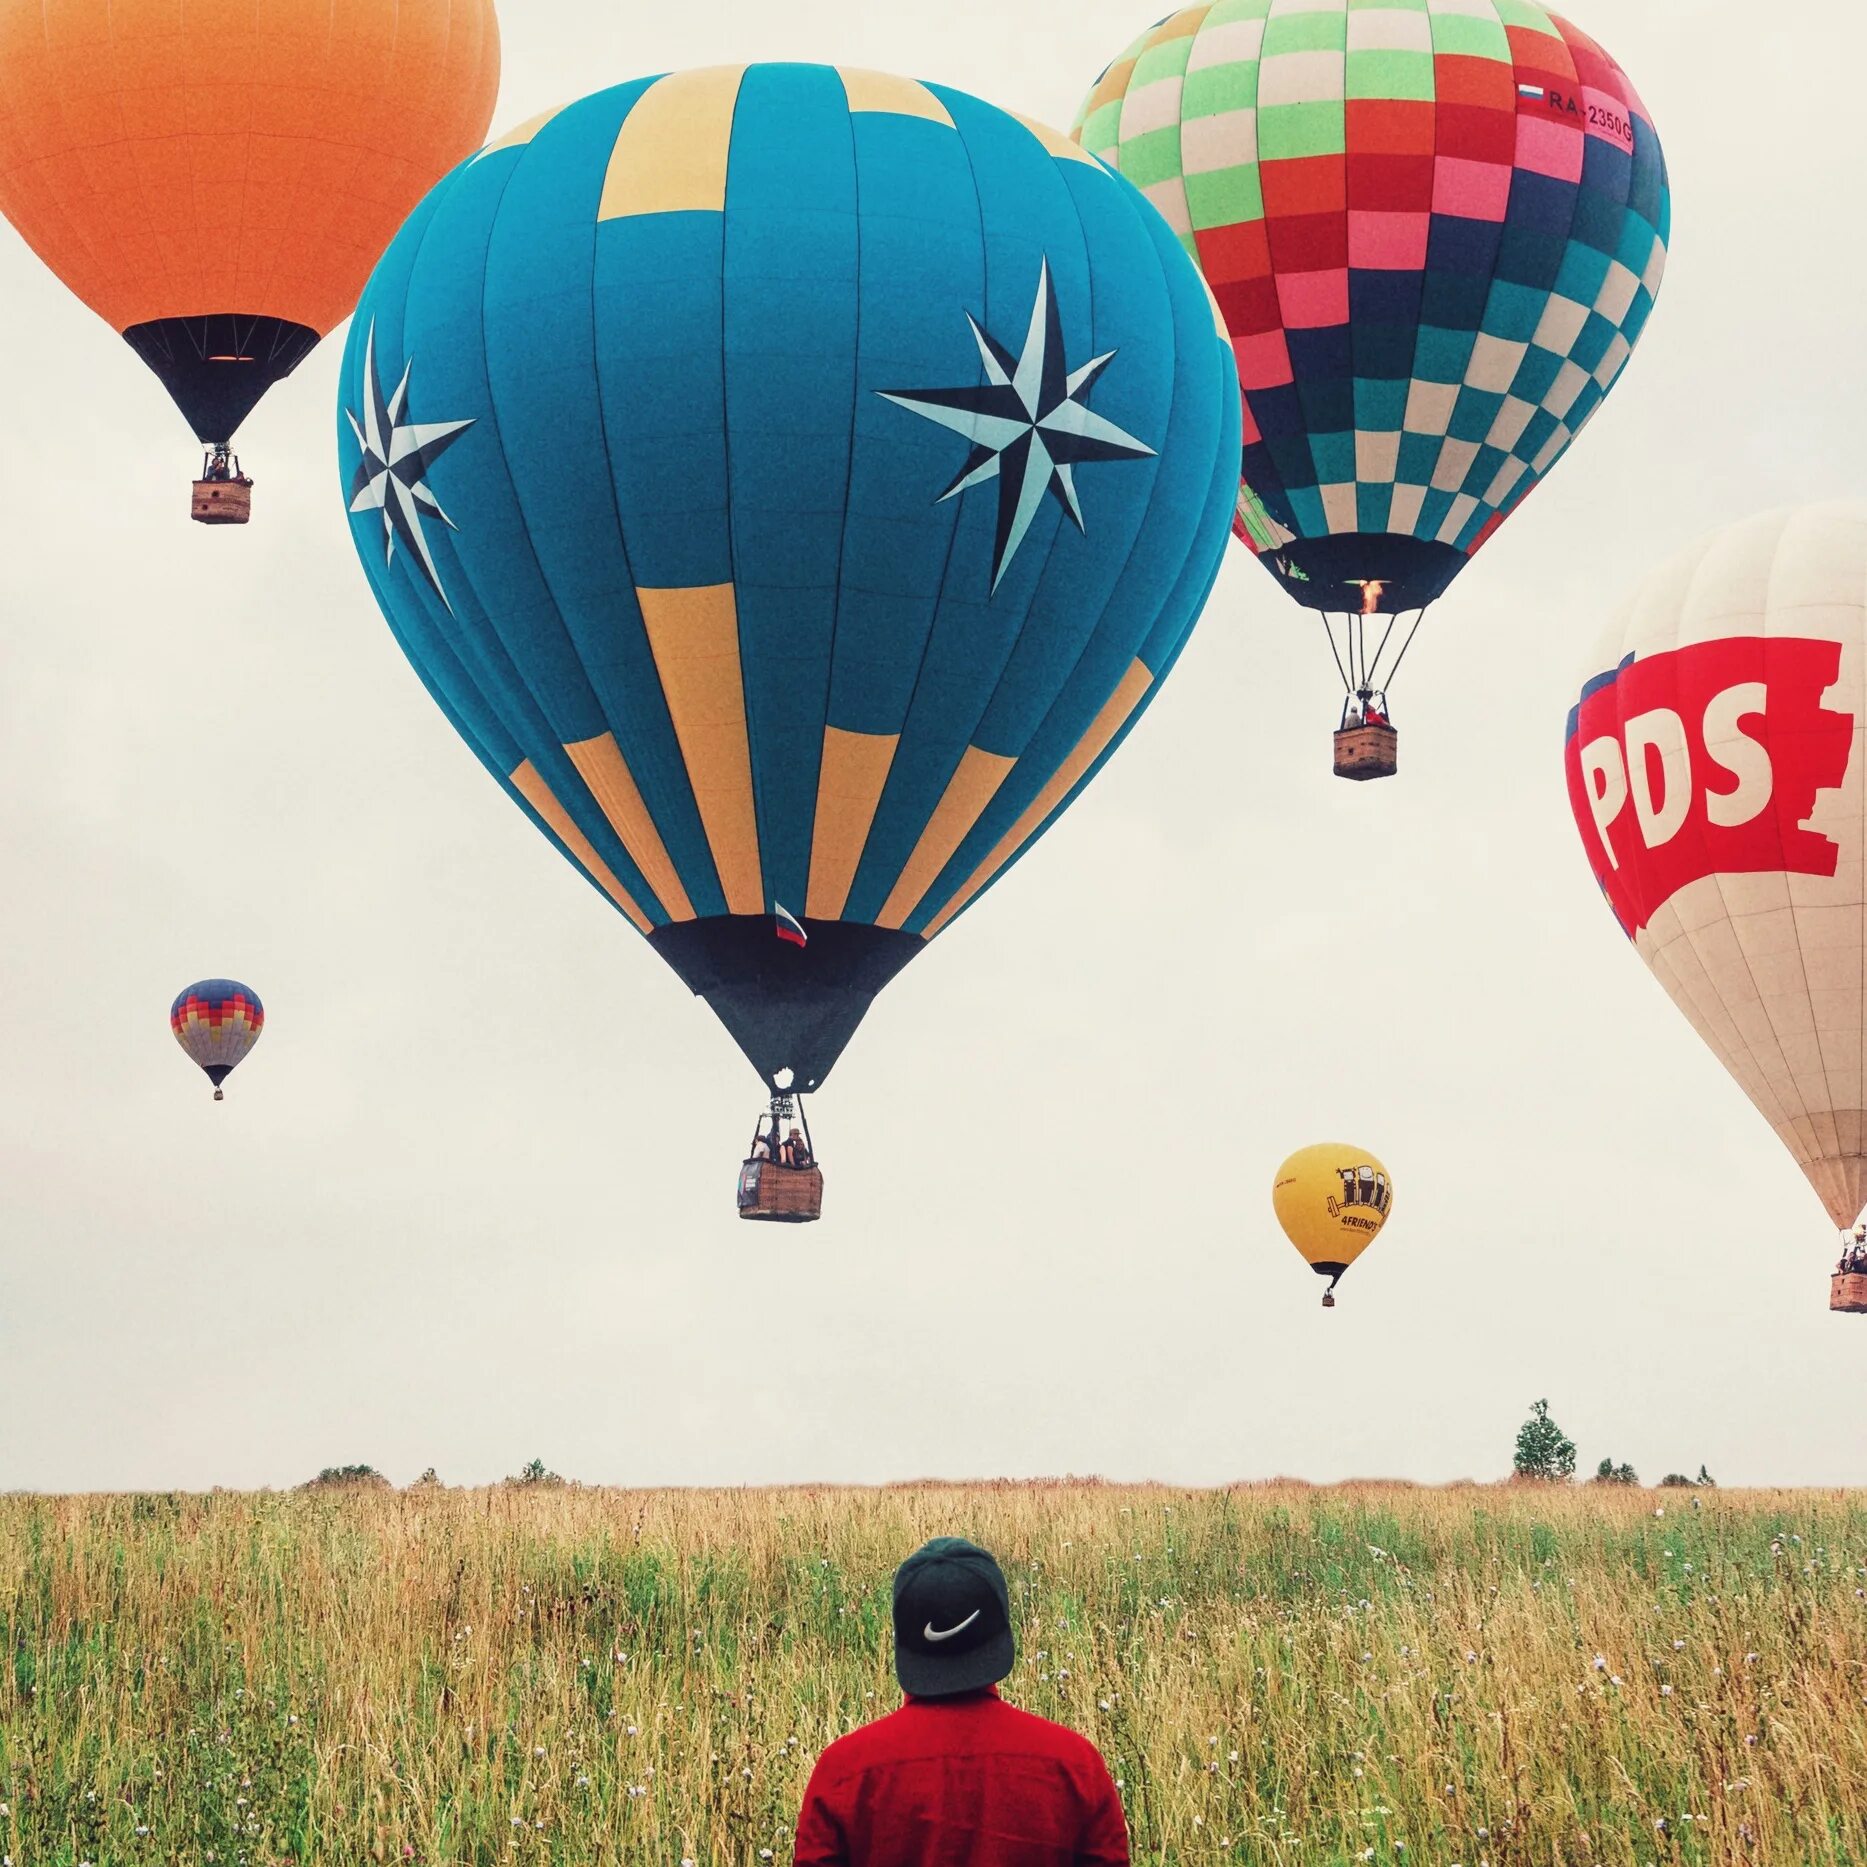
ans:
x=788 y=1007
x=1330 y=573
x=217 y=367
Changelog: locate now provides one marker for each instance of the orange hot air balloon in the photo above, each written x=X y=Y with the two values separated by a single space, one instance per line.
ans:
x=216 y=178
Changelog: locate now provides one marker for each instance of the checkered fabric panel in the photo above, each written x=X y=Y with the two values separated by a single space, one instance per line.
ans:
x=1435 y=229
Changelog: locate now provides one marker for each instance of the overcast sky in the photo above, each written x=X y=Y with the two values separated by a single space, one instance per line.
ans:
x=471 y=1199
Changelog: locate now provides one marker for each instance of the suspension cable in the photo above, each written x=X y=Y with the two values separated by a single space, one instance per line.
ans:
x=1419 y=617
x=1329 y=636
x=1382 y=650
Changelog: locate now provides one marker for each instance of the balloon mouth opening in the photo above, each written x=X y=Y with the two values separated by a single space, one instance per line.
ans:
x=230 y=359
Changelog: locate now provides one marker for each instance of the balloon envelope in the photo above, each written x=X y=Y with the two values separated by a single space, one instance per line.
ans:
x=1435 y=235
x=1332 y=1200
x=1718 y=776
x=217 y=1021
x=792 y=483
x=216 y=180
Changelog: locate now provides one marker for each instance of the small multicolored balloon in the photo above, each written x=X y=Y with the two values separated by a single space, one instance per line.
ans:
x=1332 y=1200
x=217 y=1021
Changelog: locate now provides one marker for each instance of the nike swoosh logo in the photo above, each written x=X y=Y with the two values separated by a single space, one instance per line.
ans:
x=946 y=1633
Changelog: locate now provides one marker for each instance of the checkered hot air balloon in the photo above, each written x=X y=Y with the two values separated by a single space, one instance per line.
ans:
x=792 y=483
x=217 y=1021
x=1436 y=229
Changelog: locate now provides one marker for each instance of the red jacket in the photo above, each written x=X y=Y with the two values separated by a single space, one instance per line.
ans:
x=961 y=1782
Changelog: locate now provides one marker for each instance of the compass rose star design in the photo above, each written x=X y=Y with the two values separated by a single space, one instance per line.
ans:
x=391 y=478
x=1027 y=422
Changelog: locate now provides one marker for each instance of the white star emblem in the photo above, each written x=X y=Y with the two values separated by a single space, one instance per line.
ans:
x=391 y=476
x=1027 y=424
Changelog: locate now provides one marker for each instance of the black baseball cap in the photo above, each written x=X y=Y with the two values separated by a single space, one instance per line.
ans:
x=952 y=1620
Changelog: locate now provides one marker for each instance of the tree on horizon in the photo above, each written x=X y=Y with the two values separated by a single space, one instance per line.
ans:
x=1545 y=1453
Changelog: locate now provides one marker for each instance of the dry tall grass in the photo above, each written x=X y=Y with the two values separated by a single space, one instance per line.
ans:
x=1276 y=1674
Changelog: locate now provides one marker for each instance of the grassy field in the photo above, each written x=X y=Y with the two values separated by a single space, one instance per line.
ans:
x=1276 y=1674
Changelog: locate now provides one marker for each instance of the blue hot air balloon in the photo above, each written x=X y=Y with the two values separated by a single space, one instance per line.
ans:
x=792 y=483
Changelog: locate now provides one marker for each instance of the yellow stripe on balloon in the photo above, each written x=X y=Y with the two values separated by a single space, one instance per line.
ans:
x=1057 y=144
x=971 y=788
x=670 y=154
x=881 y=92
x=540 y=796
x=606 y=773
x=517 y=139
x=1112 y=85
x=1107 y=723
x=695 y=638
x=1181 y=25
x=849 y=787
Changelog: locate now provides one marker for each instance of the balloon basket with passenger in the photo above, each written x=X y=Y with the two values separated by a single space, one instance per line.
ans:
x=779 y=1178
x=1366 y=744
x=223 y=495
x=1847 y=1287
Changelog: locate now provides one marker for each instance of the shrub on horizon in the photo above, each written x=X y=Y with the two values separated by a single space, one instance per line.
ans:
x=348 y=1478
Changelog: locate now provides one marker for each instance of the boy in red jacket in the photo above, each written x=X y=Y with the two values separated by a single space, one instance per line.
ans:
x=956 y=1777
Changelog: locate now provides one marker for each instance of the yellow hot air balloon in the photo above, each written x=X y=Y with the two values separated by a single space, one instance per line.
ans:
x=1332 y=1201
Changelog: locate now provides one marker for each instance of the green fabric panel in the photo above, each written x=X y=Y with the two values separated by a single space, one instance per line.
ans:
x=1391 y=74
x=1287 y=130
x=1525 y=13
x=1165 y=60
x=1100 y=131
x=1133 y=50
x=1217 y=88
x=1306 y=32
x=1151 y=157
x=1225 y=197
x=1465 y=36
x=1264 y=530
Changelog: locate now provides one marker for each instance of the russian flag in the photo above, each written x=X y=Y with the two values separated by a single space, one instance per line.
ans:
x=787 y=926
x=1531 y=90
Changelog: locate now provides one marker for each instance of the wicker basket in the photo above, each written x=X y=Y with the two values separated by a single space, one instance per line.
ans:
x=1847 y=1292
x=222 y=502
x=789 y=1195
x=1363 y=752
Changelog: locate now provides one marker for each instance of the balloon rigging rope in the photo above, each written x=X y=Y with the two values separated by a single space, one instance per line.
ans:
x=1329 y=634
x=1419 y=617
x=1382 y=650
